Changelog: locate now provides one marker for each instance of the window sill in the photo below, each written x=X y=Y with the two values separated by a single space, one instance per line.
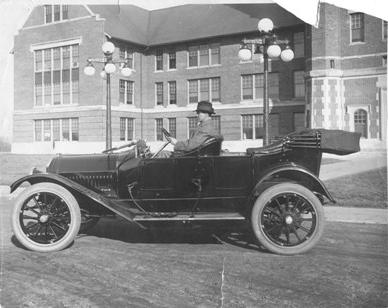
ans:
x=55 y=106
x=356 y=43
x=203 y=66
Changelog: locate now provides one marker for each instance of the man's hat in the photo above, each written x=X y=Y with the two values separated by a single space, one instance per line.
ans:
x=205 y=106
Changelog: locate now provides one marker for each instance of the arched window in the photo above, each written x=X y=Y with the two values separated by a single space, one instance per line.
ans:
x=361 y=122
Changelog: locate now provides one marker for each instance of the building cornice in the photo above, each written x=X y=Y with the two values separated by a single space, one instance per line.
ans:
x=352 y=73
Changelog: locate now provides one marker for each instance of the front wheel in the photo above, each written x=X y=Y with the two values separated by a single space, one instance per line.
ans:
x=287 y=219
x=46 y=217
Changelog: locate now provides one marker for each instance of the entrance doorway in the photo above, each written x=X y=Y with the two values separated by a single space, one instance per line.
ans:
x=361 y=122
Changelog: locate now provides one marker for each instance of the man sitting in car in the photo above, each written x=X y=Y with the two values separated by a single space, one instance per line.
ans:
x=204 y=130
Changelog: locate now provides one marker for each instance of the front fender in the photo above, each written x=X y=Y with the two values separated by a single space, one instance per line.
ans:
x=295 y=174
x=70 y=185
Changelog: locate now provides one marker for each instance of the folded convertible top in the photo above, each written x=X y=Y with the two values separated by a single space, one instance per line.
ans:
x=338 y=142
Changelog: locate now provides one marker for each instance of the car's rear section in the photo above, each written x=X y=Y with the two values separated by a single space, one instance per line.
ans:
x=286 y=212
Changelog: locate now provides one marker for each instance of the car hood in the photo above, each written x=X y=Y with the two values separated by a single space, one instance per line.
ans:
x=87 y=163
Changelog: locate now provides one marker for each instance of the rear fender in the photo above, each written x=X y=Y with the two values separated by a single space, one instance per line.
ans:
x=294 y=174
x=72 y=186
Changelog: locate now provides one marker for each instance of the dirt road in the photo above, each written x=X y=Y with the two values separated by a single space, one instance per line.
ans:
x=118 y=265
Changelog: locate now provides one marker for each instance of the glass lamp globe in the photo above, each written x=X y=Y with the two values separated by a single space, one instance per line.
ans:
x=110 y=68
x=265 y=25
x=287 y=55
x=274 y=51
x=103 y=74
x=108 y=47
x=126 y=71
x=89 y=70
x=244 y=54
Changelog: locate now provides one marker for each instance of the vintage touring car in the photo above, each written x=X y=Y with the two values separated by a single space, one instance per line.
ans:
x=275 y=188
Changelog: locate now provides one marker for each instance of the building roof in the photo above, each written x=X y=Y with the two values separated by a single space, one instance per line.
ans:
x=188 y=22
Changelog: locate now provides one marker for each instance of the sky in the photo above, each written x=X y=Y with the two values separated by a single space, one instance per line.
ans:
x=13 y=14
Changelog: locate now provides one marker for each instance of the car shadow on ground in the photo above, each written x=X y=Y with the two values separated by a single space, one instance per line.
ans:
x=222 y=233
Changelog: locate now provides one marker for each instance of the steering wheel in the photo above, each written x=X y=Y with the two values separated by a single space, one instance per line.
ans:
x=130 y=144
x=166 y=134
x=168 y=138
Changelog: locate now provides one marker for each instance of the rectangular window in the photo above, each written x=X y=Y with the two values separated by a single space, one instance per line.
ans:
x=193 y=123
x=38 y=89
x=122 y=129
x=172 y=60
x=216 y=89
x=125 y=92
x=74 y=129
x=57 y=12
x=159 y=125
x=38 y=130
x=130 y=128
x=57 y=58
x=159 y=60
x=204 y=55
x=159 y=93
x=48 y=13
x=54 y=13
x=127 y=130
x=172 y=92
x=46 y=130
x=298 y=40
x=172 y=126
x=299 y=86
x=59 y=82
x=247 y=87
x=74 y=56
x=217 y=123
x=384 y=30
x=357 y=27
x=57 y=130
x=65 y=11
x=252 y=126
x=125 y=54
x=74 y=85
x=66 y=129
x=248 y=91
x=204 y=90
x=193 y=56
x=215 y=54
x=259 y=85
x=193 y=91
x=207 y=89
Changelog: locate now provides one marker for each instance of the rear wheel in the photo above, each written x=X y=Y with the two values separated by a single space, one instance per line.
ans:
x=287 y=219
x=46 y=217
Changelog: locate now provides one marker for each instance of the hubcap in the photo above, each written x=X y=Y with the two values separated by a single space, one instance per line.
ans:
x=289 y=220
x=43 y=219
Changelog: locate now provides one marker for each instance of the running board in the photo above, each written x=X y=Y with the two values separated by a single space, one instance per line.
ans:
x=189 y=217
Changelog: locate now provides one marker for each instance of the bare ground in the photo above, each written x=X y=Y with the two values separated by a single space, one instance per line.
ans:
x=120 y=265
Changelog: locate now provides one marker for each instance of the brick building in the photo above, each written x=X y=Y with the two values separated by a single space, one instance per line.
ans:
x=188 y=53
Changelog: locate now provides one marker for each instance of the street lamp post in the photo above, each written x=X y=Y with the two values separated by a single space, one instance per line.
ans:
x=109 y=68
x=267 y=46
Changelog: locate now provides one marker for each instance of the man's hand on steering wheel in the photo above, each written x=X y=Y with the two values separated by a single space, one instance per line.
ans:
x=168 y=136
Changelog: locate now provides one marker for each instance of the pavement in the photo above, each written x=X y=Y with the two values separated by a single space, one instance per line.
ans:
x=342 y=166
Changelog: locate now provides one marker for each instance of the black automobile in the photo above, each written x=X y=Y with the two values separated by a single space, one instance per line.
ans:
x=275 y=189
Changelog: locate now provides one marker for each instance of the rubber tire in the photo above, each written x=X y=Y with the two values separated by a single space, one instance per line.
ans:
x=75 y=215
x=265 y=197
